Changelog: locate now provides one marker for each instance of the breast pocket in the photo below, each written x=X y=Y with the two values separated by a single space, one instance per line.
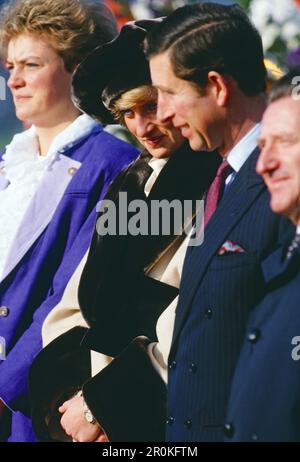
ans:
x=234 y=260
x=234 y=280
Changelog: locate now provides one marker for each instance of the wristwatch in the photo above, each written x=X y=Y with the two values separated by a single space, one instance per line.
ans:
x=88 y=415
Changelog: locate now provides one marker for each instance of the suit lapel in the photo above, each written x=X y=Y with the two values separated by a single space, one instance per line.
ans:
x=276 y=268
x=235 y=203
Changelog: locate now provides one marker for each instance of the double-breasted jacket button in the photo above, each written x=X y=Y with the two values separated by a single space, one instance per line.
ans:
x=188 y=424
x=228 y=430
x=172 y=365
x=193 y=368
x=170 y=420
x=254 y=335
x=72 y=171
x=4 y=312
x=208 y=313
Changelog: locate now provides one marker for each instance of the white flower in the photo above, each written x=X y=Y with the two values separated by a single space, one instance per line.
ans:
x=260 y=12
x=270 y=34
x=290 y=29
x=276 y=18
x=141 y=10
x=283 y=10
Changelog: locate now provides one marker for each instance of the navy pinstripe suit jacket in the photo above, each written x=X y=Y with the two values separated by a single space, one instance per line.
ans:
x=265 y=393
x=216 y=295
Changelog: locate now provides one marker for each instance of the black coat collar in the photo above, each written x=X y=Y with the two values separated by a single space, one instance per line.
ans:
x=116 y=261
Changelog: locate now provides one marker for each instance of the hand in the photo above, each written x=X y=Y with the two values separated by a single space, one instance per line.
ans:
x=75 y=424
x=102 y=439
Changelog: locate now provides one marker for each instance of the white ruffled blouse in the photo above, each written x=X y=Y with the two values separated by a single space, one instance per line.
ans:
x=157 y=165
x=24 y=168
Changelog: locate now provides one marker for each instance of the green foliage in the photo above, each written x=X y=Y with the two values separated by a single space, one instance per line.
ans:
x=244 y=3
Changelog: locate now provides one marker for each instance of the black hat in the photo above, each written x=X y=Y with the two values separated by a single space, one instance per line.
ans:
x=111 y=69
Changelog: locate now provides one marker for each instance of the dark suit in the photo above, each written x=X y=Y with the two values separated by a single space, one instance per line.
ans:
x=216 y=295
x=265 y=395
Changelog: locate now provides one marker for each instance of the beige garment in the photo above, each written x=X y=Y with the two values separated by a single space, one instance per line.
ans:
x=157 y=165
x=170 y=274
x=67 y=315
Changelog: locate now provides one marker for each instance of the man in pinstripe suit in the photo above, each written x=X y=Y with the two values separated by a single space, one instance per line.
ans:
x=265 y=395
x=207 y=64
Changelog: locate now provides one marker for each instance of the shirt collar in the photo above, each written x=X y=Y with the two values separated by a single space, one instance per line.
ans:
x=157 y=165
x=79 y=129
x=23 y=148
x=242 y=150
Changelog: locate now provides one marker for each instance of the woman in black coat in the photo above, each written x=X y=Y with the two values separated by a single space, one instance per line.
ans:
x=119 y=297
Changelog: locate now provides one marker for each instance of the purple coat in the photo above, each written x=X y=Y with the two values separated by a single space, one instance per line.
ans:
x=51 y=242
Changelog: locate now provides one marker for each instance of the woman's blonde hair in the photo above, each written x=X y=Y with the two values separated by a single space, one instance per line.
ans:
x=75 y=27
x=131 y=98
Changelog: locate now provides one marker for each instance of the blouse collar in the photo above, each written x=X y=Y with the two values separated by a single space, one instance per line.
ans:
x=23 y=149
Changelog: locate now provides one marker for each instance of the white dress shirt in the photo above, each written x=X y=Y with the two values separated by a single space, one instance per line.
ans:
x=241 y=151
x=159 y=352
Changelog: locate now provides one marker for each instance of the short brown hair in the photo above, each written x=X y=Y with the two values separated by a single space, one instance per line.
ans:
x=75 y=27
x=287 y=86
x=207 y=36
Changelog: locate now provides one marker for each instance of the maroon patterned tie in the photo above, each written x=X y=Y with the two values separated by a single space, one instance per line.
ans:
x=215 y=191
